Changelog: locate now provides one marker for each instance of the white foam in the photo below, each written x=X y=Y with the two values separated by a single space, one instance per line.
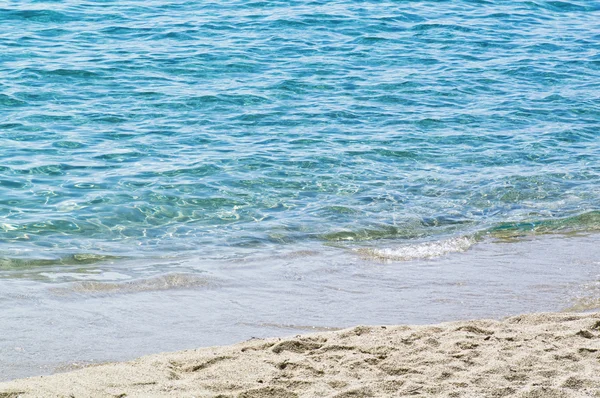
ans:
x=421 y=250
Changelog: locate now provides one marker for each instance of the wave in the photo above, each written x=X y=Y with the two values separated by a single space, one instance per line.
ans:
x=422 y=239
x=423 y=250
x=580 y=223
x=588 y=222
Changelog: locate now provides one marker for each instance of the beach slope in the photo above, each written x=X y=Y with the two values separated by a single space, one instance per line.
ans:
x=536 y=355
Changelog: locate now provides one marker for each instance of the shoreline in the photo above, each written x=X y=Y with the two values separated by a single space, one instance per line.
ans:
x=532 y=355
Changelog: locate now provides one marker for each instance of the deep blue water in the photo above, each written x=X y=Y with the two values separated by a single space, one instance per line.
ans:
x=143 y=128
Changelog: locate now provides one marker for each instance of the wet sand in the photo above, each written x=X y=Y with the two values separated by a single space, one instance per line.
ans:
x=536 y=355
x=111 y=312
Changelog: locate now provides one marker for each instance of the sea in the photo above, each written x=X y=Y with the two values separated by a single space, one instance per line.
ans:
x=177 y=173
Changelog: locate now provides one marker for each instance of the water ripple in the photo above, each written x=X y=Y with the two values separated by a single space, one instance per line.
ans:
x=139 y=128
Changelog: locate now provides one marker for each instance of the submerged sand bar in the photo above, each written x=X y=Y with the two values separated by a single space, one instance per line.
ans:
x=537 y=355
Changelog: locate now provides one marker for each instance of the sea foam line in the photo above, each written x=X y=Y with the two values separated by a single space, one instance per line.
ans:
x=421 y=250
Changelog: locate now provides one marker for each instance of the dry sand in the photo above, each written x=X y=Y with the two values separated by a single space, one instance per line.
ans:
x=538 y=355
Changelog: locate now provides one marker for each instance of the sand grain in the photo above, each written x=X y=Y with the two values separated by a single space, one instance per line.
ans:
x=537 y=355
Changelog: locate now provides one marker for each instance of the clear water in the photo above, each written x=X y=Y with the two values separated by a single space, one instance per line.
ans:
x=47 y=327
x=136 y=128
x=154 y=146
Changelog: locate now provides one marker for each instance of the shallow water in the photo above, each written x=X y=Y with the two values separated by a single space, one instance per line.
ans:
x=104 y=314
x=183 y=173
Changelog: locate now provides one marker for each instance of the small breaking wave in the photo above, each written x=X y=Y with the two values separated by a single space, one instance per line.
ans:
x=420 y=250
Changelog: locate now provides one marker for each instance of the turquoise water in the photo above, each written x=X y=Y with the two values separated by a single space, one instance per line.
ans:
x=151 y=128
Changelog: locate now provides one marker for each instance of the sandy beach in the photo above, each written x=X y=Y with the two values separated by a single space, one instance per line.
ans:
x=535 y=355
x=287 y=199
